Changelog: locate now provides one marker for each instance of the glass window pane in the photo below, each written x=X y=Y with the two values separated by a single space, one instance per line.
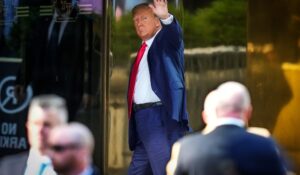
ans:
x=273 y=71
x=50 y=47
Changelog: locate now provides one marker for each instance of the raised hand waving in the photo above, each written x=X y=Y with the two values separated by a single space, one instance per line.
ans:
x=160 y=8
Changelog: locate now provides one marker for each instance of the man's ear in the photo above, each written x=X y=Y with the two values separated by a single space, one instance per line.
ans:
x=157 y=23
x=204 y=117
x=248 y=113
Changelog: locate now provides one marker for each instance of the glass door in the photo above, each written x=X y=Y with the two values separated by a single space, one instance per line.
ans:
x=52 y=47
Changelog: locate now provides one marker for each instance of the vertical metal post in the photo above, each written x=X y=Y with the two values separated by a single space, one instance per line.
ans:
x=176 y=3
x=104 y=83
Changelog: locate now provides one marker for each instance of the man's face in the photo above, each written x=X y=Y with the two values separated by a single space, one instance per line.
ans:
x=39 y=124
x=145 y=23
x=65 y=153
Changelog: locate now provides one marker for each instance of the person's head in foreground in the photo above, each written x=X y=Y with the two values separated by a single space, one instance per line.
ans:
x=45 y=112
x=233 y=103
x=210 y=118
x=71 y=148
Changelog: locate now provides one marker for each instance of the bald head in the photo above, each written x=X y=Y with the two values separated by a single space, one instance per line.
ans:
x=233 y=101
x=71 y=148
x=73 y=133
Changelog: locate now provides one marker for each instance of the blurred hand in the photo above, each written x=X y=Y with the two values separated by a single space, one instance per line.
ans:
x=160 y=8
x=19 y=92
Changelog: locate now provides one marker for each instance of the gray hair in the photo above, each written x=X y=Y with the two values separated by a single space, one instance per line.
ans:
x=83 y=135
x=50 y=102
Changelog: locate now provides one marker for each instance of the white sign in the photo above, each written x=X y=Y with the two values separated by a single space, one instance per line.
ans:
x=9 y=104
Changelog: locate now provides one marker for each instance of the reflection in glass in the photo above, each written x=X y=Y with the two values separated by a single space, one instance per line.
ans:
x=57 y=56
x=54 y=47
x=273 y=72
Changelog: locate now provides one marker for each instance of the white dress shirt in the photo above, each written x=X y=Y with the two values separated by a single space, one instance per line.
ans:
x=34 y=162
x=87 y=171
x=230 y=121
x=143 y=92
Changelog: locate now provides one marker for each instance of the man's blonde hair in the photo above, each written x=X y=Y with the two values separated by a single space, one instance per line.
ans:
x=142 y=6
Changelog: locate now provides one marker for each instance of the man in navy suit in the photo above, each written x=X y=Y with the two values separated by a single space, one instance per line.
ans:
x=228 y=149
x=156 y=94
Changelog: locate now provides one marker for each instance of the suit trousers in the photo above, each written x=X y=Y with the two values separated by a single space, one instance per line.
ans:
x=156 y=133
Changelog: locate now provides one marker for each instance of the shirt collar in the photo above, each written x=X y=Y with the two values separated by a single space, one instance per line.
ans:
x=150 y=41
x=35 y=155
x=230 y=121
x=87 y=171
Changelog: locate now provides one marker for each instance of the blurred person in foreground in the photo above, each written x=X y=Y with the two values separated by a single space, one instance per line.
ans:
x=210 y=118
x=45 y=112
x=71 y=149
x=228 y=149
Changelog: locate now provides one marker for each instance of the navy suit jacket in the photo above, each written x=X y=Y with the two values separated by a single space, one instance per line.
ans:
x=230 y=150
x=166 y=67
x=14 y=164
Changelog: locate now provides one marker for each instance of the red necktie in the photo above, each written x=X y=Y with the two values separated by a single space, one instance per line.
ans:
x=133 y=75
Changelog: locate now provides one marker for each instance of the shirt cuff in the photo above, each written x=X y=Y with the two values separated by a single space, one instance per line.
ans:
x=168 y=20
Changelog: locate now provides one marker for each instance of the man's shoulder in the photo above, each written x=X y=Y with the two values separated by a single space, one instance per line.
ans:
x=191 y=138
x=12 y=158
x=256 y=143
x=252 y=150
x=258 y=138
x=13 y=163
x=95 y=170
